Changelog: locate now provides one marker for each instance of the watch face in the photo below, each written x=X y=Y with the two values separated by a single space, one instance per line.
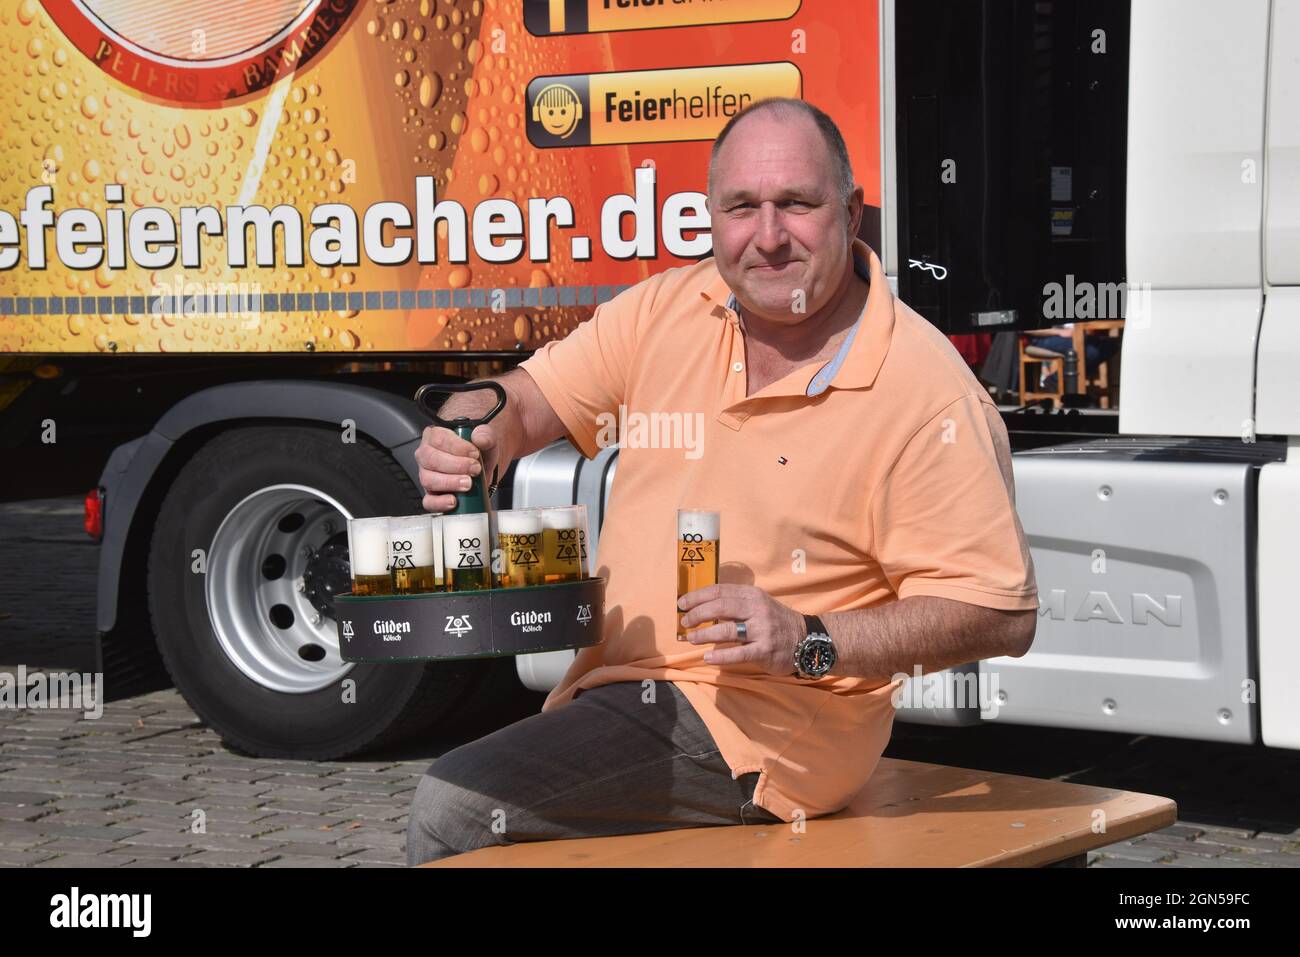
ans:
x=817 y=656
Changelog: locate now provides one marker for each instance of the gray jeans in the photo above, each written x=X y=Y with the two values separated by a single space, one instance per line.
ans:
x=606 y=762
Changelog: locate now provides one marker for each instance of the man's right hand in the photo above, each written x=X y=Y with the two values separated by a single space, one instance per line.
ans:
x=449 y=465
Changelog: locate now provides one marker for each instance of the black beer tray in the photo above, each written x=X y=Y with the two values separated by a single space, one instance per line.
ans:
x=488 y=623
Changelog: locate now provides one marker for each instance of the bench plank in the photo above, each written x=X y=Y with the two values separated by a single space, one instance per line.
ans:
x=910 y=814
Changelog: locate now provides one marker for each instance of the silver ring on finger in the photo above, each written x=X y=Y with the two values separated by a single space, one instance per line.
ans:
x=741 y=631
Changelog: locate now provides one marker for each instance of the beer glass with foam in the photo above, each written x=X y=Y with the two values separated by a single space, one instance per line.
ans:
x=368 y=554
x=698 y=544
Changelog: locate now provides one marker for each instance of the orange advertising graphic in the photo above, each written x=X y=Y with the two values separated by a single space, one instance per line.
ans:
x=351 y=175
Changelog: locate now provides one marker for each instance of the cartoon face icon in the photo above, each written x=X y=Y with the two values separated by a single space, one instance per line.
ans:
x=558 y=109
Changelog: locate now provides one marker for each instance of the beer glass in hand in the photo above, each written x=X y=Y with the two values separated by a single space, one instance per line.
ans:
x=698 y=544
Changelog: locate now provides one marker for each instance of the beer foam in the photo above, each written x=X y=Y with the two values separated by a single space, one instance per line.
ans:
x=415 y=531
x=705 y=524
x=457 y=527
x=518 y=522
x=561 y=516
x=439 y=566
x=368 y=545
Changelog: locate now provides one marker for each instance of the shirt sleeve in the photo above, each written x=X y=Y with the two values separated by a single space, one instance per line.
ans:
x=945 y=517
x=586 y=375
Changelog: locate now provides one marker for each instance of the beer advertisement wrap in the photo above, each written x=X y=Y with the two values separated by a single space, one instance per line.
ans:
x=342 y=176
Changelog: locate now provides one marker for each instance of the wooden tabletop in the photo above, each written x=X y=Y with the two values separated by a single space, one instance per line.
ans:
x=910 y=814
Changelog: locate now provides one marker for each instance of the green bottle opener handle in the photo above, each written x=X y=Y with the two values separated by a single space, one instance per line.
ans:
x=476 y=498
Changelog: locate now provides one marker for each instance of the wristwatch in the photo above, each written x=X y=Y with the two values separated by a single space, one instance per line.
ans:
x=815 y=655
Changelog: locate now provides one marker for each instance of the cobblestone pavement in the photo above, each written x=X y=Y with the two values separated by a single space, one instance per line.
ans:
x=126 y=789
x=122 y=790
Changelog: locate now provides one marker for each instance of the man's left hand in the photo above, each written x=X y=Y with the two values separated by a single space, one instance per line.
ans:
x=773 y=630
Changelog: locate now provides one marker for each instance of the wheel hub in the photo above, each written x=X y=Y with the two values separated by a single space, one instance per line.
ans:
x=274 y=566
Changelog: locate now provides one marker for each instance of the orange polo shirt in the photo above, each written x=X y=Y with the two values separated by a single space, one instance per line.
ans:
x=892 y=480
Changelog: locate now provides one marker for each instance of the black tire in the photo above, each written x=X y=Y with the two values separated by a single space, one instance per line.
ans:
x=392 y=702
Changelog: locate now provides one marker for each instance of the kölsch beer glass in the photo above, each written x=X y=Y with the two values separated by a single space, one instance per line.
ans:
x=563 y=543
x=412 y=553
x=465 y=551
x=368 y=554
x=519 y=536
x=698 y=544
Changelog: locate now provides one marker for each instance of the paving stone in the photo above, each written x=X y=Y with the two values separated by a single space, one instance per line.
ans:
x=78 y=845
x=381 y=854
x=312 y=807
x=84 y=860
x=228 y=842
x=231 y=858
x=303 y=861
x=186 y=795
x=1213 y=829
x=374 y=840
x=370 y=812
x=1136 y=852
x=26 y=812
x=89 y=804
x=1227 y=861
x=1177 y=846
x=183 y=862
x=274 y=821
x=1251 y=843
x=332 y=851
x=1184 y=831
x=159 y=839
x=1119 y=862
x=19 y=834
x=89 y=832
x=299 y=834
x=10 y=857
x=150 y=852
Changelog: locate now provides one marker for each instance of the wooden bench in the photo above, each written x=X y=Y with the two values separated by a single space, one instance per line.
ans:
x=910 y=814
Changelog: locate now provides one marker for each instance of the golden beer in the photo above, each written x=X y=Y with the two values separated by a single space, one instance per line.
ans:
x=412 y=554
x=465 y=551
x=519 y=536
x=562 y=543
x=368 y=554
x=698 y=545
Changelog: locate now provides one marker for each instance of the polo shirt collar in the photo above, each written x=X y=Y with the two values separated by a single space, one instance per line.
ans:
x=862 y=353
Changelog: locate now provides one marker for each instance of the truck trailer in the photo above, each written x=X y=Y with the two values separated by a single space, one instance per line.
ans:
x=234 y=240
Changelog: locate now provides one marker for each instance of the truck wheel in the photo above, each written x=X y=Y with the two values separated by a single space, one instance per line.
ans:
x=246 y=625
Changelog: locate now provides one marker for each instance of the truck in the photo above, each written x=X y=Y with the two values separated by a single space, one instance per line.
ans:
x=233 y=242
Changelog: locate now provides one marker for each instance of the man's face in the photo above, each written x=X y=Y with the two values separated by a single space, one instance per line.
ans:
x=781 y=234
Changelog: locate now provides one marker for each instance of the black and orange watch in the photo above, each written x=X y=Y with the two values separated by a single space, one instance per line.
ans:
x=815 y=655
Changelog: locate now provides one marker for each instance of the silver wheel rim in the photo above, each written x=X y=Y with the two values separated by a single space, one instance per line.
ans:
x=265 y=624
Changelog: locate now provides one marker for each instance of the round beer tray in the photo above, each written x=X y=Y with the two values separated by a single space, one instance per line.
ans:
x=488 y=623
